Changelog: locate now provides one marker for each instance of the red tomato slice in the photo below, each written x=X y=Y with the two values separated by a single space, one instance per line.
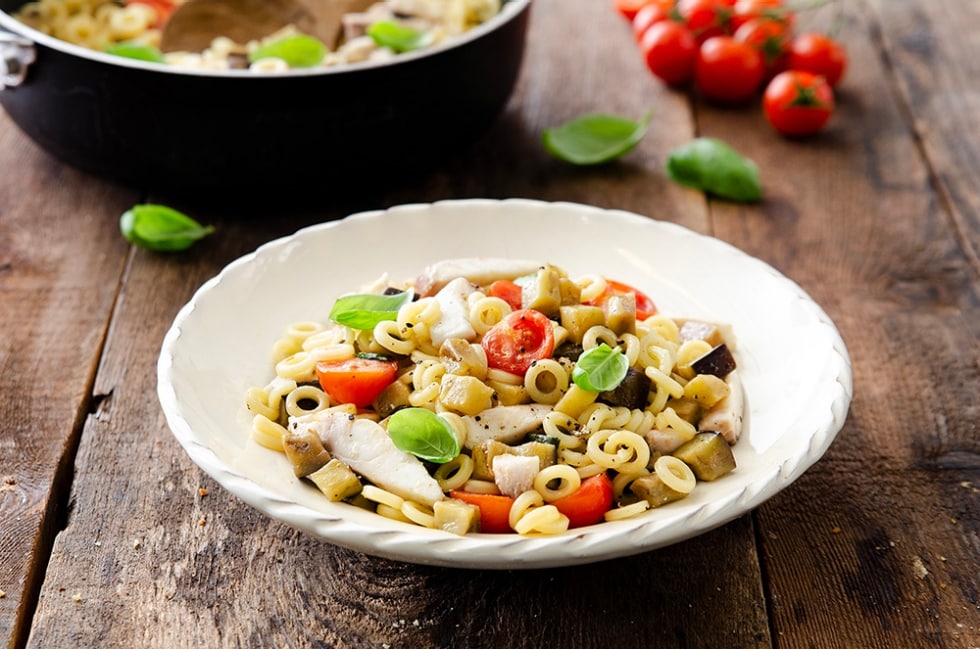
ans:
x=518 y=340
x=587 y=504
x=494 y=510
x=508 y=291
x=644 y=305
x=355 y=380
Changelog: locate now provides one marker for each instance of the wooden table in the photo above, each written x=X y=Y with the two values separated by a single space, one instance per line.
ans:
x=111 y=537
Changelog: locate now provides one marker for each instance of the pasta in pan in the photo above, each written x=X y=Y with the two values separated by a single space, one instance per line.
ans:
x=502 y=396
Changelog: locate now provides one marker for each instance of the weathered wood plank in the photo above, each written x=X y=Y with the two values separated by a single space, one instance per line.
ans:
x=60 y=265
x=877 y=545
x=173 y=567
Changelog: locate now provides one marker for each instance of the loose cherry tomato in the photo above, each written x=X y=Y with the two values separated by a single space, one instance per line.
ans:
x=705 y=18
x=355 y=380
x=798 y=103
x=670 y=52
x=771 y=38
x=644 y=305
x=494 y=510
x=518 y=340
x=819 y=54
x=727 y=70
x=508 y=291
x=646 y=17
x=629 y=8
x=746 y=10
x=587 y=504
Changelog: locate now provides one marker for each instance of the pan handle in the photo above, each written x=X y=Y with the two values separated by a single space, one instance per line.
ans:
x=16 y=54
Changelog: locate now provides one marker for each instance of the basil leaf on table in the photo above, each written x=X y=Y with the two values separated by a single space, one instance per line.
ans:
x=136 y=51
x=712 y=166
x=161 y=228
x=299 y=51
x=601 y=368
x=424 y=434
x=390 y=34
x=594 y=139
x=365 y=310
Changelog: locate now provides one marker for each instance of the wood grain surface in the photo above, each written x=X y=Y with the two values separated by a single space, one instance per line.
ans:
x=111 y=537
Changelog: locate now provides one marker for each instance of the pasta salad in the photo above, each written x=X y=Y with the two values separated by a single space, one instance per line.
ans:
x=133 y=28
x=502 y=396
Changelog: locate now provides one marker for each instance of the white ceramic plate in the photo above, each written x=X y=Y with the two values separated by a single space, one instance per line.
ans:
x=792 y=361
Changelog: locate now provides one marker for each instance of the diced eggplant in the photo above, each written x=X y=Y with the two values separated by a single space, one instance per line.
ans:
x=632 y=392
x=466 y=395
x=708 y=455
x=579 y=318
x=725 y=417
x=459 y=356
x=455 y=516
x=484 y=454
x=653 y=490
x=305 y=451
x=568 y=349
x=706 y=389
x=392 y=398
x=336 y=480
x=700 y=330
x=718 y=362
x=620 y=313
x=543 y=293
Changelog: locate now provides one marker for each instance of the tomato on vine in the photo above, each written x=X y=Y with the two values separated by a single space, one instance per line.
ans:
x=819 y=54
x=727 y=70
x=647 y=17
x=705 y=18
x=746 y=10
x=771 y=38
x=798 y=103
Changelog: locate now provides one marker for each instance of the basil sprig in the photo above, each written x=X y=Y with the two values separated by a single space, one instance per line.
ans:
x=594 y=139
x=398 y=37
x=136 y=51
x=712 y=166
x=299 y=51
x=365 y=310
x=161 y=228
x=424 y=434
x=601 y=368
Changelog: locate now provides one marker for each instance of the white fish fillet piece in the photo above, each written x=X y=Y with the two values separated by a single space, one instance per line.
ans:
x=507 y=424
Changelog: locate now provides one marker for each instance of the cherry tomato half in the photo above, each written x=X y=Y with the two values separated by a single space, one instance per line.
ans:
x=798 y=103
x=589 y=503
x=727 y=70
x=494 y=510
x=670 y=52
x=819 y=54
x=355 y=380
x=508 y=291
x=644 y=305
x=518 y=340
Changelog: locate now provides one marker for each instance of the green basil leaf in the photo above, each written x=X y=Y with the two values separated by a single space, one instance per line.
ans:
x=712 y=166
x=136 y=51
x=600 y=369
x=424 y=434
x=390 y=34
x=365 y=310
x=594 y=139
x=158 y=227
x=299 y=51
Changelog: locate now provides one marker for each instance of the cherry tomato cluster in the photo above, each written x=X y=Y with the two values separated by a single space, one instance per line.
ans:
x=732 y=49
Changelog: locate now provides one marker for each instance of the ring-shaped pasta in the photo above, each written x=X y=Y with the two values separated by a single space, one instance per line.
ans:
x=284 y=348
x=665 y=327
x=382 y=496
x=664 y=382
x=455 y=473
x=268 y=433
x=562 y=427
x=300 y=331
x=545 y=519
x=326 y=338
x=481 y=487
x=689 y=352
x=674 y=473
x=332 y=352
x=651 y=354
x=592 y=286
x=622 y=450
x=622 y=481
x=394 y=514
x=295 y=400
x=627 y=511
x=630 y=345
x=299 y=367
x=575 y=458
x=427 y=397
x=546 y=381
x=395 y=339
x=524 y=502
x=425 y=311
x=566 y=476
x=257 y=402
x=418 y=514
x=668 y=418
x=589 y=470
x=598 y=334
x=487 y=312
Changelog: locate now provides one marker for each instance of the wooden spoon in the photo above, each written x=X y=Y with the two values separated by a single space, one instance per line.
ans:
x=194 y=24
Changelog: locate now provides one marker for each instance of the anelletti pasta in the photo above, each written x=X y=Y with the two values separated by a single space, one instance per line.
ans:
x=469 y=404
